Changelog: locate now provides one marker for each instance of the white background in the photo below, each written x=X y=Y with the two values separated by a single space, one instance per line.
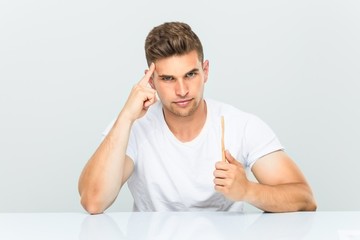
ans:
x=66 y=68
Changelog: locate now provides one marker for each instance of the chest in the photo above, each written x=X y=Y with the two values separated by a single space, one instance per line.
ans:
x=175 y=173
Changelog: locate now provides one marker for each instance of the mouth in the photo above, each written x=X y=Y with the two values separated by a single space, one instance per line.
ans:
x=183 y=102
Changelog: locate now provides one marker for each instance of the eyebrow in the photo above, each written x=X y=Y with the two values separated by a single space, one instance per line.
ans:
x=193 y=70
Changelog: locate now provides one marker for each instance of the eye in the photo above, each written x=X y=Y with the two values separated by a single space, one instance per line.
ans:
x=191 y=74
x=167 y=78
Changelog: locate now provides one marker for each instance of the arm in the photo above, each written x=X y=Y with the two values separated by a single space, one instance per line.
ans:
x=281 y=186
x=109 y=167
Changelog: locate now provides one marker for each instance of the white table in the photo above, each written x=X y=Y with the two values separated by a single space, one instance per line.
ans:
x=180 y=225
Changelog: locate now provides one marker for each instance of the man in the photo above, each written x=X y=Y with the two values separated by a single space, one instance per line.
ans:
x=169 y=151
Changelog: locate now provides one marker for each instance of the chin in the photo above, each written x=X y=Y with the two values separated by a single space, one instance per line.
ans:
x=185 y=112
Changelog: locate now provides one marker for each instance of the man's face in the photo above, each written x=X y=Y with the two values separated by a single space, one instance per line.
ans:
x=179 y=82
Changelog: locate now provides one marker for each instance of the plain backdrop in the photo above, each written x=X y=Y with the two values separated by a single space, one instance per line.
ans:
x=66 y=68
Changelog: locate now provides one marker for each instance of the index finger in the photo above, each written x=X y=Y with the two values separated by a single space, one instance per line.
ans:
x=145 y=80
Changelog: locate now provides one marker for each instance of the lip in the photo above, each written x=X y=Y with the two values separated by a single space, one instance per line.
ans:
x=183 y=102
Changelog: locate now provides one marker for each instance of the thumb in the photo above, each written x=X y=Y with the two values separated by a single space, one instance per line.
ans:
x=230 y=158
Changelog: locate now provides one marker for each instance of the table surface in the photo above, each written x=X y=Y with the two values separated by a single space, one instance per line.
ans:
x=180 y=225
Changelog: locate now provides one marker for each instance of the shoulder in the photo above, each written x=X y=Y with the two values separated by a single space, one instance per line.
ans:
x=217 y=109
x=235 y=119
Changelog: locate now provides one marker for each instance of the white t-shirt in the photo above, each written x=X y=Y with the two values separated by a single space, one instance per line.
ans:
x=170 y=175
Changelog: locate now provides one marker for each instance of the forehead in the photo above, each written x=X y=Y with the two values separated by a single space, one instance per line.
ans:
x=178 y=64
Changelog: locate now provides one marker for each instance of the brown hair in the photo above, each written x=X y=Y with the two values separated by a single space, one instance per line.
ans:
x=171 y=38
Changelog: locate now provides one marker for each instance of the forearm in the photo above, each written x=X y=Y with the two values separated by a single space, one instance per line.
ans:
x=103 y=175
x=281 y=198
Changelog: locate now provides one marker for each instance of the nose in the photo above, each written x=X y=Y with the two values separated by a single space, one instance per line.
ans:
x=181 y=88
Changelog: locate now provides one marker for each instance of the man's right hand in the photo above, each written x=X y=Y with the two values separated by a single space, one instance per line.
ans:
x=142 y=96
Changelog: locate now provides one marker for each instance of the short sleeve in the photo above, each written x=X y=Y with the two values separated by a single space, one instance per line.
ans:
x=259 y=140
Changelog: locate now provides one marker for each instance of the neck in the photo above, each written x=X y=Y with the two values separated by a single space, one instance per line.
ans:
x=187 y=128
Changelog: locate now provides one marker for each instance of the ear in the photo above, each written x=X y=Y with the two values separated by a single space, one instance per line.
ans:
x=151 y=80
x=206 y=69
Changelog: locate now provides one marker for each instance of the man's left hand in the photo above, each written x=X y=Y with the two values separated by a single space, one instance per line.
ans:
x=230 y=178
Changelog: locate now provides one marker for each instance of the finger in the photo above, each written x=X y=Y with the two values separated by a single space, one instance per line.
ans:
x=218 y=188
x=220 y=182
x=145 y=80
x=222 y=166
x=220 y=174
x=230 y=158
x=149 y=101
x=221 y=189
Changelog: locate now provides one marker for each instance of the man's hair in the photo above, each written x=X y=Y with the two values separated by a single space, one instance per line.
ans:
x=169 y=39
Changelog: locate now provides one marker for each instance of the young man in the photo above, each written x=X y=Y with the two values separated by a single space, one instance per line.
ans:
x=169 y=151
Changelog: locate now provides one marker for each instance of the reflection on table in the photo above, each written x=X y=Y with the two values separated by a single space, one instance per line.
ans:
x=185 y=225
x=180 y=225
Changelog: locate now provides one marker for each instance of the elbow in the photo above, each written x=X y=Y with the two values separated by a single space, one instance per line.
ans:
x=92 y=205
x=309 y=201
x=310 y=208
x=310 y=205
